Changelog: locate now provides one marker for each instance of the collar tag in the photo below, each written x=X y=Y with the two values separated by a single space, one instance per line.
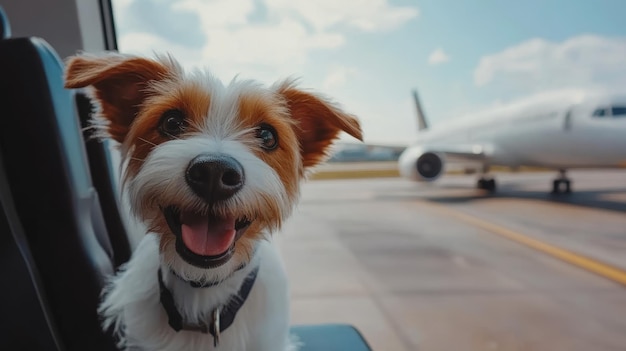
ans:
x=215 y=323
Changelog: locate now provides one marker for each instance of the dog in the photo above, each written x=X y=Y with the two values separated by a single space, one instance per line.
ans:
x=211 y=170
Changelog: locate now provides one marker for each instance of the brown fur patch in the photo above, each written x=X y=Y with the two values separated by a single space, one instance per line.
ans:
x=255 y=110
x=119 y=83
x=319 y=123
x=144 y=133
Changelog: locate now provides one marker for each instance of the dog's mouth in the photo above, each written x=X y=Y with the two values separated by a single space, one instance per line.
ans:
x=205 y=240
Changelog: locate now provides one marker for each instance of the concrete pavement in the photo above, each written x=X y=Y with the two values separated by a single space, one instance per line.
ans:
x=414 y=268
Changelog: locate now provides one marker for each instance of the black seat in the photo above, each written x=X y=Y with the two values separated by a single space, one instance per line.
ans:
x=104 y=181
x=55 y=250
x=28 y=327
x=5 y=27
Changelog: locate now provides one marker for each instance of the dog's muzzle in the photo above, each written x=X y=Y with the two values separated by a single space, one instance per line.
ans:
x=206 y=239
x=214 y=178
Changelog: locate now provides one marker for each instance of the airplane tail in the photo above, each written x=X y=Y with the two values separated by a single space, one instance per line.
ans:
x=421 y=119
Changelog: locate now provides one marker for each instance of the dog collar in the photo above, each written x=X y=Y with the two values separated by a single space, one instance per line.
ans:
x=222 y=317
x=207 y=284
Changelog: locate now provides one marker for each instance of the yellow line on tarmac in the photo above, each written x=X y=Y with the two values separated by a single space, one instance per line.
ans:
x=353 y=174
x=381 y=170
x=613 y=273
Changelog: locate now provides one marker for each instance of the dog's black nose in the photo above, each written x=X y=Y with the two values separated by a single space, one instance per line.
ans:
x=214 y=177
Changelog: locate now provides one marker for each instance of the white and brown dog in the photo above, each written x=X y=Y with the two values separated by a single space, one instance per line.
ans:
x=212 y=171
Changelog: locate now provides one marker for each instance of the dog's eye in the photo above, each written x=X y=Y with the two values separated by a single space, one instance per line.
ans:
x=172 y=123
x=267 y=135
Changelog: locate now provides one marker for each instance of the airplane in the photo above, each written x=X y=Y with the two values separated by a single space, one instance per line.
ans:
x=570 y=129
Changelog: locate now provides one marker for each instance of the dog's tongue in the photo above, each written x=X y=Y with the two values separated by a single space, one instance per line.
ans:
x=207 y=235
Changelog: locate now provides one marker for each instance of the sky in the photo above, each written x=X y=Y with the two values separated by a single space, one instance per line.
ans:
x=367 y=55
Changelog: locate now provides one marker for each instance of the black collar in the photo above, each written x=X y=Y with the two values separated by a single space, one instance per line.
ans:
x=207 y=284
x=221 y=317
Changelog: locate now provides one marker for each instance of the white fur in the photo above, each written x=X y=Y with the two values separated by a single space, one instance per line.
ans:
x=132 y=306
x=131 y=302
x=161 y=182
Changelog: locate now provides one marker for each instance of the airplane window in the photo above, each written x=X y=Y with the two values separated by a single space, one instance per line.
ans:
x=601 y=112
x=618 y=111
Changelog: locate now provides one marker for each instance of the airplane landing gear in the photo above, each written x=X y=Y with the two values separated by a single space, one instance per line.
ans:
x=488 y=184
x=561 y=184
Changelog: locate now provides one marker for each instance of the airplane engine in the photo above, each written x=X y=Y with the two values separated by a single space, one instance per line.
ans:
x=421 y=166
x=429 y=166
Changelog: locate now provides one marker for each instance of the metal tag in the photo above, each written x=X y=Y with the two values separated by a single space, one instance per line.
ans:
x=216 y=326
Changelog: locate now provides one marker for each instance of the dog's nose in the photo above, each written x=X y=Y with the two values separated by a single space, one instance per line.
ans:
x=214 y=177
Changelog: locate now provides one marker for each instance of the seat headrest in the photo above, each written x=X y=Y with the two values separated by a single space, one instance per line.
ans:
x=5 y=28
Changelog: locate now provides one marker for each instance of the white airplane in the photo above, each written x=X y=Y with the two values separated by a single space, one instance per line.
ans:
x=561 y=131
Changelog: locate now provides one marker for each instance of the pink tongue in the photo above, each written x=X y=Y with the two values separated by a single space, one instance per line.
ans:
x=207 y=236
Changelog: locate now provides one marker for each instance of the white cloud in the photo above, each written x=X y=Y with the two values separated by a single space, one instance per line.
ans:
x=142 y=43
x=438 y=56
x=538 y=64
x=338 y=76
x=371 y=15
x=276 y=44
x=218 y=14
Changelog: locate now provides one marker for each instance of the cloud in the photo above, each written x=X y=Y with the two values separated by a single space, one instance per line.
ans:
x=372 y=15
x=338 y=76
x=438 y=57
x=142 y=43
x=283 y=43
x=160 y=18
x=538 y=64
x=264 y=38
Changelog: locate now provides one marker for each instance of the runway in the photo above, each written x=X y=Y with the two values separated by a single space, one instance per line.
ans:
x=444 y=266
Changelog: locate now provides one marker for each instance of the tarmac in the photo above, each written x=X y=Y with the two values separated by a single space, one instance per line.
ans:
x=444 y=266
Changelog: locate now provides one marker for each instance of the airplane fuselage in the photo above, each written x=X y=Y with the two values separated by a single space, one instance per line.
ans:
x=570 y=132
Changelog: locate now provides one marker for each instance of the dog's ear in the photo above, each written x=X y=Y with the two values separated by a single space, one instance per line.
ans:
x=119 y=85
x=319 y=122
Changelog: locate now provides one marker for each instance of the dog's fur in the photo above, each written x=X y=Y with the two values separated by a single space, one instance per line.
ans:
x=132 y=94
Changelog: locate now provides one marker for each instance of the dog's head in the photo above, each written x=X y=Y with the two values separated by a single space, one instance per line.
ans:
x=211 y=168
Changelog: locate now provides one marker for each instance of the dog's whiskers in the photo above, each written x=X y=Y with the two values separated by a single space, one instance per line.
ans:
x=172 y=136
x=195 y=125
x=147 y=141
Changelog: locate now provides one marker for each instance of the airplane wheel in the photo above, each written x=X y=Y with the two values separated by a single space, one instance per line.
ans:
x=486 y=184
x=559 y=184
x=481 y=183
x=556 y=186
